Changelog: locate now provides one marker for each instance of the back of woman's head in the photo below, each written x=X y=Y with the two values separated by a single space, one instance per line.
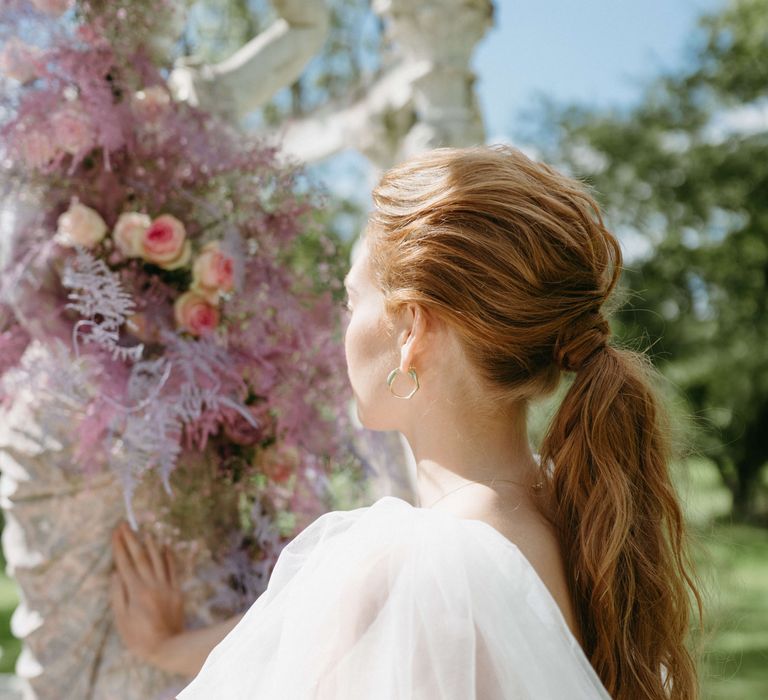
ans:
x=516 y=259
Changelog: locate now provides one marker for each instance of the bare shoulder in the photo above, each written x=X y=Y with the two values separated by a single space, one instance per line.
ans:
x=536 y=538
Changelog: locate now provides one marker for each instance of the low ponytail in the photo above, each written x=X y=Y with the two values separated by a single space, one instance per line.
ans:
x=516 y=258
x=621 y=527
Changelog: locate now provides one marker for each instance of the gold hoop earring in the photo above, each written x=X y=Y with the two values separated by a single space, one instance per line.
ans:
x=391 y=379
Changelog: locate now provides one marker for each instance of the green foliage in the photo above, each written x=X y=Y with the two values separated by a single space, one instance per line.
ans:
x=672 y=171
x=10 y=647
x=322 y=252
x=732 y=563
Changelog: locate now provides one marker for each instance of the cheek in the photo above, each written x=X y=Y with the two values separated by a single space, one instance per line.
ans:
x=360 y=345
x=368 y=361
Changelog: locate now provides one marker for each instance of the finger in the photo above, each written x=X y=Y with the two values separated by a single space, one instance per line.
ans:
x=118 y=595
x=170 y=568
x=123 y=562
x=158 y=566
x=138 y=554
x=118 y=528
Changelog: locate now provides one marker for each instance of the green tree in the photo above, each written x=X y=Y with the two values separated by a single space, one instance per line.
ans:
x=686 y=172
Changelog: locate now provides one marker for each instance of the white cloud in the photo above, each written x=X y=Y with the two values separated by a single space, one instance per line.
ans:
x=745 y=120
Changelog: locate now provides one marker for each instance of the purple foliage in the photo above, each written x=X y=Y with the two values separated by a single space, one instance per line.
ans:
x=97 y=124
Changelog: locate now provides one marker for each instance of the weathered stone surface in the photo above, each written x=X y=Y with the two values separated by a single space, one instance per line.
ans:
x=56 y=541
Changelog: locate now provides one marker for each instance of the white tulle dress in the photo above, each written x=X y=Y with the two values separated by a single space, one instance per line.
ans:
x=394 y=602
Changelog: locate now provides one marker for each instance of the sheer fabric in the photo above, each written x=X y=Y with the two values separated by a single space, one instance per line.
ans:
x=394 y=602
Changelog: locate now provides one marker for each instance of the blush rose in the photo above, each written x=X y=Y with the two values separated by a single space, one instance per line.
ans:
x=80 y=225
x=213 y=272
x=129 y=232
x=194 y=314
x=165 y=243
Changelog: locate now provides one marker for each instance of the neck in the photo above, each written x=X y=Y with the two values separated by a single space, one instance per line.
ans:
x=453 y=446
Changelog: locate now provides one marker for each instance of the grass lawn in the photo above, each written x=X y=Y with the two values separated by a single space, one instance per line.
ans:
x=735 y=572
x=733 y=566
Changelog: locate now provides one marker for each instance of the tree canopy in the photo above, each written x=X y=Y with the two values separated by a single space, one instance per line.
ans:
x=685 y=173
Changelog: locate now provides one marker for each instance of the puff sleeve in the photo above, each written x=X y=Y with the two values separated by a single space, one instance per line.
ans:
x=392 y=602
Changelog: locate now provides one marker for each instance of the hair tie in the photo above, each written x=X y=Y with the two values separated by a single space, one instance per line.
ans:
x=580 y=340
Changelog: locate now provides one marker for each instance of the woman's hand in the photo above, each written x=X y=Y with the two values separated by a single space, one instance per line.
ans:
x=146 y=599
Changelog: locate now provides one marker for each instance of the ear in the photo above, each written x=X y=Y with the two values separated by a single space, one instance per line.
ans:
x=413 y=335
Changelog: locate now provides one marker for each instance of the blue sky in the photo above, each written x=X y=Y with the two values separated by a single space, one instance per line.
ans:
x=597 y=52
x=594 y=52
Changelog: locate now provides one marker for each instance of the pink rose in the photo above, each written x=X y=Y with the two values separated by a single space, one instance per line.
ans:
x=72 y=129
x=35 y=148
x=165 y=243
x=213 y=272
x=194 y=314
x=80 y=225
x=52 y=7
x=17 y=60
x=129 y=232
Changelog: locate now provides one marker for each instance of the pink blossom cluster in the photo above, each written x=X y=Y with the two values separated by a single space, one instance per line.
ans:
x=162 y=242
x=176 y=230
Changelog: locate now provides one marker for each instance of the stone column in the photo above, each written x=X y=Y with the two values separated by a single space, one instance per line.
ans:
x=56 y=540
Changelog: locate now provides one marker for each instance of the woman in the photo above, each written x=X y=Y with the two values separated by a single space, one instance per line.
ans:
x=483 y=277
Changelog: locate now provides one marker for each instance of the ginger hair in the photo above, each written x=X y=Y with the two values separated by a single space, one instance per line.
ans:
x=516 y=258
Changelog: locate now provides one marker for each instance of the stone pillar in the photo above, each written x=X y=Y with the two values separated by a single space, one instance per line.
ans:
x=58 y=526
x=442 y=34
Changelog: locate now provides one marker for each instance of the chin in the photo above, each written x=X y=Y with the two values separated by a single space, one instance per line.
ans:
x=368 y=418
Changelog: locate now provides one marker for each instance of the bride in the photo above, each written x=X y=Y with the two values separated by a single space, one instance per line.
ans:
x=483 y=277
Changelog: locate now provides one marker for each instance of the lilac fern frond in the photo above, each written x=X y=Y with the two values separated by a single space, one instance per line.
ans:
x=100 y=298
x=200 y=361
x=150 y=439
x=98 y=290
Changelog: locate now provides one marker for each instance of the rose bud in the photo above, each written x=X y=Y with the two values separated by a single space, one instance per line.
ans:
x=129 y=232
x=165 y=243
x=80 y=225
x=213 y=272
x=194 y=314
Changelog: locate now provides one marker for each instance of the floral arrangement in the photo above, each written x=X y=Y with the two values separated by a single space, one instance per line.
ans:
x=147 y=249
